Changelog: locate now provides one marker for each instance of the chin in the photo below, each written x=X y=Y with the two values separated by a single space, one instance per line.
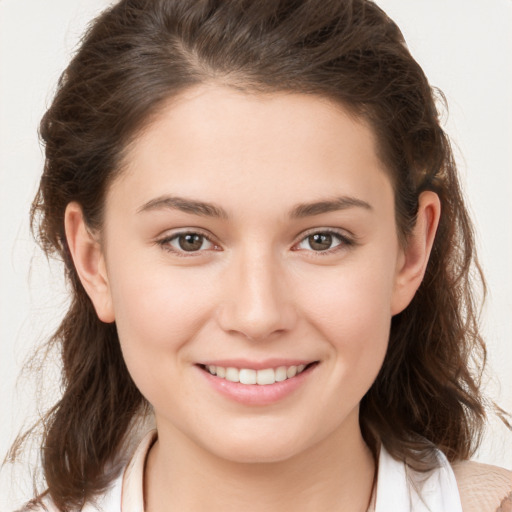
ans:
x=262 y=448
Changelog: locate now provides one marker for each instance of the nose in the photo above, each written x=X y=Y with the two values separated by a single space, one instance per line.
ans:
x=257 y=303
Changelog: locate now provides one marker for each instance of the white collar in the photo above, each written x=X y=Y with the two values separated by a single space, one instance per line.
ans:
x=399 y=488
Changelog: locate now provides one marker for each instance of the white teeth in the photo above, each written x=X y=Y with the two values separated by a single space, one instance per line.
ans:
x=267 y=376
x=248 y=376
x=261 y=377
x=291 y=371
x=232 y=374
x=281 y=374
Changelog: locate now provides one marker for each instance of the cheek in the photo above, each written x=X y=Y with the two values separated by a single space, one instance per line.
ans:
x=351 y=309
x=157 y=311
x=356 y=297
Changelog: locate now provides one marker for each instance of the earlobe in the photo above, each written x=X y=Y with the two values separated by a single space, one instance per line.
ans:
x=414 y=258
x=89 y=261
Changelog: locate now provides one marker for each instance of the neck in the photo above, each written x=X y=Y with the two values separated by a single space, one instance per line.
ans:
x=335 y=474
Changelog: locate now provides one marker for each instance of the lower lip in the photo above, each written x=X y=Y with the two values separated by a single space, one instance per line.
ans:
x=254 y=394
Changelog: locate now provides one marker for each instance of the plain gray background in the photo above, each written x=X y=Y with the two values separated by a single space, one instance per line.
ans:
x=464 y=46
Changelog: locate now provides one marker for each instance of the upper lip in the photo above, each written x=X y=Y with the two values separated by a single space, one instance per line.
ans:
x=255 y=365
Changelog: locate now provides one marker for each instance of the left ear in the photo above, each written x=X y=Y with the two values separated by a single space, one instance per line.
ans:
x=413 y=260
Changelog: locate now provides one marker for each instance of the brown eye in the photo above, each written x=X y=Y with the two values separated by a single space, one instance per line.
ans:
x=187 y=242
x=191 y=242
x=320 y=241
x=323 y=241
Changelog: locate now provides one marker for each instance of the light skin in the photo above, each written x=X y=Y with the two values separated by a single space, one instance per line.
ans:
x=255 y=177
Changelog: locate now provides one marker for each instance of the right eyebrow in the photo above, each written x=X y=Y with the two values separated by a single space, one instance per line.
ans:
x=185 y=205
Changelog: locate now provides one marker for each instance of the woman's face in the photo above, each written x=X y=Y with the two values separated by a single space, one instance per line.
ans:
x=253 y=232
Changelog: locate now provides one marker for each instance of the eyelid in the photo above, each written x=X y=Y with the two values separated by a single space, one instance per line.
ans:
x=346 y=240
x=164 y=241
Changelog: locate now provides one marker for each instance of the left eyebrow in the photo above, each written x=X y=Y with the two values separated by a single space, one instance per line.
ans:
x=331 y=205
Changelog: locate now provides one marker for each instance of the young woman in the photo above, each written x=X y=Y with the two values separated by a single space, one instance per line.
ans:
x=269 y=258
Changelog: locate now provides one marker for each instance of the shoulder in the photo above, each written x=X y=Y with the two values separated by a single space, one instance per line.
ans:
x=483 y=488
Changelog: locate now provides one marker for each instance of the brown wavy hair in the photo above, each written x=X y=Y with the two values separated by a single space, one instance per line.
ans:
x=140 y=53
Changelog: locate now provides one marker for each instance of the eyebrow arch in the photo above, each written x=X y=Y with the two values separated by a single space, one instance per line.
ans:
x=205 y=209
x=332 y=205
x=185 y=205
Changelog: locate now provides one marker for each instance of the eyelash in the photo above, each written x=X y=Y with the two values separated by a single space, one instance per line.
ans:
x=165 y=243
x=344 y=242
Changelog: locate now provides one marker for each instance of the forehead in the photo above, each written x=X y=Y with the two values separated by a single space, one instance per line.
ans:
x=232 y=146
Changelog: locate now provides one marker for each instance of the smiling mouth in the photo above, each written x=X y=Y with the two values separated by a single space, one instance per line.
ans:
x=263 y=377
